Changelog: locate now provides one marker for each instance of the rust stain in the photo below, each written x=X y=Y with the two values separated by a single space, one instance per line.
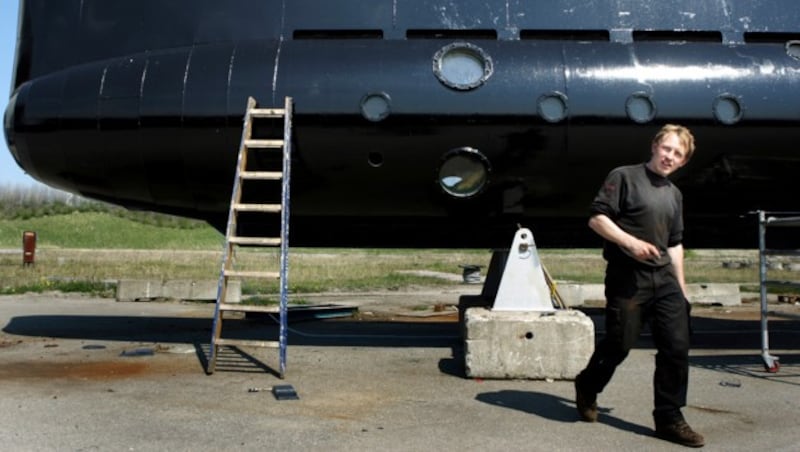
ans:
x=101 y=370
x=9 y=343
x=445 y=317
x=347 y=405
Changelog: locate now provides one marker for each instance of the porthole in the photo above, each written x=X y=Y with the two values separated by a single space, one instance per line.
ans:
x=464 y=172
x=640 y=108
x=375 y=159
x=462 y=66
x=727 y=109
x=376 y=106
x=552 y=107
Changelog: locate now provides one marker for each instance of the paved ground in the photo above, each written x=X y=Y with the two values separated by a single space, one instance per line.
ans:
x=393 y=380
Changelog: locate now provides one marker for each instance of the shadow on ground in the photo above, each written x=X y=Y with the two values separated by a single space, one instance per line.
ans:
x=198 y=330
x=555 y=408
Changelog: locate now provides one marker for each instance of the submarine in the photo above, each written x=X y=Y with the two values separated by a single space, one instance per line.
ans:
x=417 y=123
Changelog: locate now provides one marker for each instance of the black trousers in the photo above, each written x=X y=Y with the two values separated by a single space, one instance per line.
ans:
x=635 y=295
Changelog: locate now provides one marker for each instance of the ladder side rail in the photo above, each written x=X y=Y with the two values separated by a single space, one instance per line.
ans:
x=762 y=272
x=284 y=258
x=230 y=231
x=771 y=363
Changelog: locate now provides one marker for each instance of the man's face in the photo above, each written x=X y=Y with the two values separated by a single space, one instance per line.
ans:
x=668 y=155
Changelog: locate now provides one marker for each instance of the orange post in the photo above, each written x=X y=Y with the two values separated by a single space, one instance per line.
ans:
x=28 y=247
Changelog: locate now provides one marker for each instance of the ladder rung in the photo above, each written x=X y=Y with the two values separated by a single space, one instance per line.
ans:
x=264 y=241
x=254 y=143
x=238 y=307
x=261 y=175
x=267 y=112
x=251 y=274
x=246 y=343
x=270 y=208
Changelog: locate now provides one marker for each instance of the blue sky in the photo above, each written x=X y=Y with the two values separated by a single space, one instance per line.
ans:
x=10 y=173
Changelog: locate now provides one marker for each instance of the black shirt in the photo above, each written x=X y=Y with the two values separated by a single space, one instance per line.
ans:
x=645 y=205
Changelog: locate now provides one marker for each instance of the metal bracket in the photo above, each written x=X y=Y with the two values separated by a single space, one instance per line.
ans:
x=523 y=286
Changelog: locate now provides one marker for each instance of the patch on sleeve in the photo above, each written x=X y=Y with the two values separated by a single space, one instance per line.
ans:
x=610 y=188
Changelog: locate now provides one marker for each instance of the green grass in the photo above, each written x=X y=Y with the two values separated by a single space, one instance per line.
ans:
x=88 y=251
x=94 y=249
x=107 y=231
x=95 y=288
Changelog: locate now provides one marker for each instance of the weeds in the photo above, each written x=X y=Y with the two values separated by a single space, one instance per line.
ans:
x=82 y=245
x=93 y=288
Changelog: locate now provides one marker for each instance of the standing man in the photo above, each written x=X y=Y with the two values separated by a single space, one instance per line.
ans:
x=639 y=213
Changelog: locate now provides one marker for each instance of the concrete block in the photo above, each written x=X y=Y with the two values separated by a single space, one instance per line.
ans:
x=135 y=289
x=176 y=289
x=577 y=294
x=202 y=290
x=466 y=302
x=721 y=294
x=527 y=345
x=724 y=294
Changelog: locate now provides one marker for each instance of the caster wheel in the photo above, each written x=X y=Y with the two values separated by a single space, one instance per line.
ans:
x=774 y=368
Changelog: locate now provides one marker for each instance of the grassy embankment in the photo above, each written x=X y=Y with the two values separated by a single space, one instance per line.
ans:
x=89 y=251
x=87 y=246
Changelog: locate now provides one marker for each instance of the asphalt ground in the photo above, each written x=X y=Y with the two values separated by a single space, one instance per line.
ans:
x=83 y=374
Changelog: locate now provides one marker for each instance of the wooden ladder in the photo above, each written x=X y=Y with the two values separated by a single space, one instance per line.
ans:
x=264 y=166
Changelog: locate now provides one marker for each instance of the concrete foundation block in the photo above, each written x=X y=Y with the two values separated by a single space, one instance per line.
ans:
x=136 y=289
x=577 y=294
x=718 y=294
x=711 y=293
x=527 y=345
x=202 y=290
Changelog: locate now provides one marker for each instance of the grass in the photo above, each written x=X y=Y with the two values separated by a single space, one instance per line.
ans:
x=311 y=271
x=89 y=251
x=104 y=230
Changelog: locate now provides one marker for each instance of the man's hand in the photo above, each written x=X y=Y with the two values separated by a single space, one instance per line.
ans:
x=642 y=250
x=639 y=249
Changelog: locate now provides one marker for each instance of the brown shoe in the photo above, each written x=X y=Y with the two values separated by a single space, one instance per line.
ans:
x=587 y=406
x=679 y=432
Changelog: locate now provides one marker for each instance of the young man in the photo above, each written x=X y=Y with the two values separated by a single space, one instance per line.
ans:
x=638 y=212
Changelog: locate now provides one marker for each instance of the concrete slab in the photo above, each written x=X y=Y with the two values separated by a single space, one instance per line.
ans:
x=714 y=294
x=190 y=290
x=575 y=295
x=527 y=345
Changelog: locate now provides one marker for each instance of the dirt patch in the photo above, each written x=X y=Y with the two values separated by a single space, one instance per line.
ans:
x=404 y=316
x=9 y=343
x=65 y=365
x=95 y=371
x=747 y=311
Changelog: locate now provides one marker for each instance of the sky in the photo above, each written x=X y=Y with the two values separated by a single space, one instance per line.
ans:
x=10 y=173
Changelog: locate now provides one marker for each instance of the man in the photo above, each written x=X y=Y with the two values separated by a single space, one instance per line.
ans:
x=639 y=213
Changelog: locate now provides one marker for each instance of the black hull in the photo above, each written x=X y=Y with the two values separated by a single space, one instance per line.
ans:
x=140 y=104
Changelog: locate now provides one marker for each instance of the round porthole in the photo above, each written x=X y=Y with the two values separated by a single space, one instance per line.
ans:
x=640 y=108
x=462 y=66
x=552 y=107
x=375 y=159
x=727 y=109
x=376 y=106
x=464 y=172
